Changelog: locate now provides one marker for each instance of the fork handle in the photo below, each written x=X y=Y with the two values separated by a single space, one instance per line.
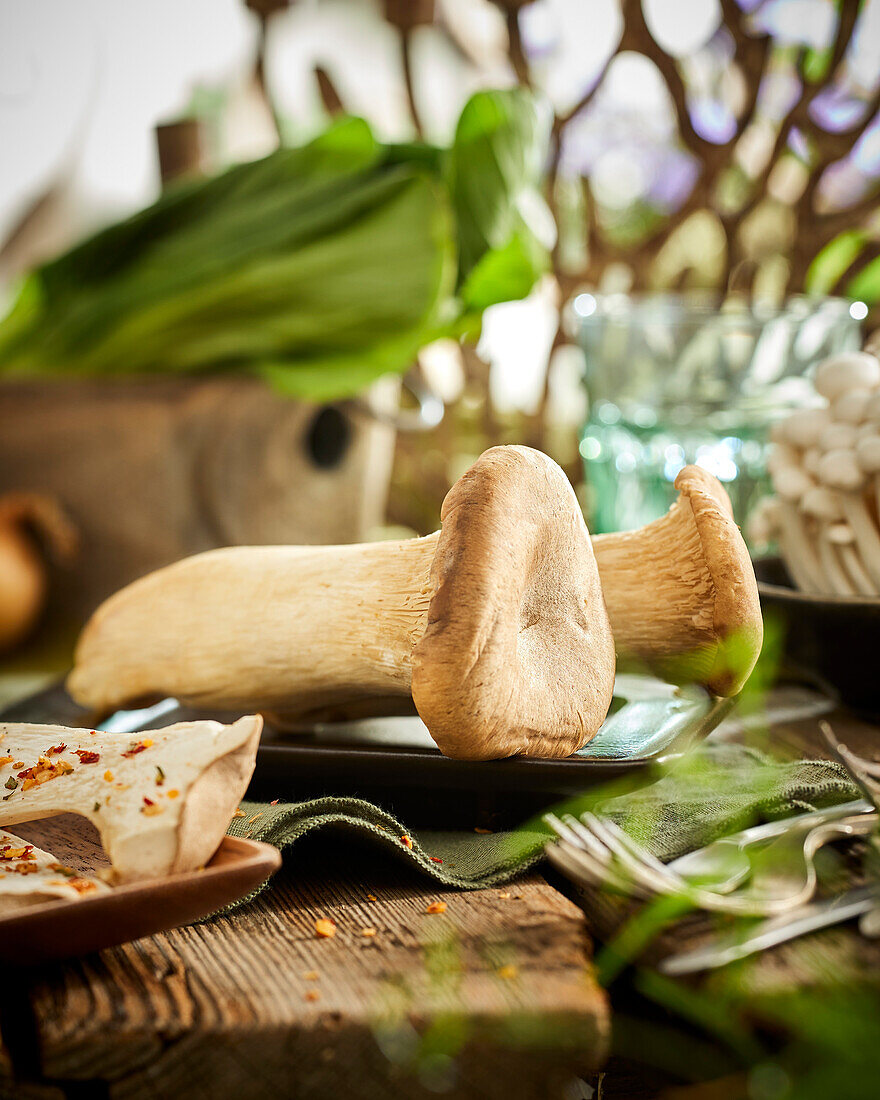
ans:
x=808 y=820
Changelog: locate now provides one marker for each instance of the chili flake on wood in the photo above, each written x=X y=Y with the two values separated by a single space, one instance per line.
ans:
x=436 y=907
x=325 y=929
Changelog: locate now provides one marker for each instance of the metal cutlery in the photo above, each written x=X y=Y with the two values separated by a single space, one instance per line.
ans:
x=769 y=933
x=722 y=865
x=600 y=852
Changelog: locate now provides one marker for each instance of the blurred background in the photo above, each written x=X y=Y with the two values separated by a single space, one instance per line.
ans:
x=621 y=231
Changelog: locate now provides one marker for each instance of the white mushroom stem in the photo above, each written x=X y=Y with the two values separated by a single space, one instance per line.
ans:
x=283 y=629
x=796 y=547
x=839 y=470
x=792 y=484
x=868 y=458
x=839 y=582
x=841 y=537
x=161 y=801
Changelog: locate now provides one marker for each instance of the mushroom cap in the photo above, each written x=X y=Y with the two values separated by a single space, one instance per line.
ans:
x=851 y=407
x=737 y=619
x=802 y=428
x=872 y=409
x=518 y=656
x=868 y=453
x=791 y=482
x=810 y=460
x=837 y=437
x=840 y=470
x=849 y=370
x=822 y=503
x=782 y=455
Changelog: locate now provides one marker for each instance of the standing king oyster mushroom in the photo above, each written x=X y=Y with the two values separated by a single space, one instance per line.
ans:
x=495 y=626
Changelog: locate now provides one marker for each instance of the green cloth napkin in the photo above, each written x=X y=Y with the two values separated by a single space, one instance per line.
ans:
x=709 y=793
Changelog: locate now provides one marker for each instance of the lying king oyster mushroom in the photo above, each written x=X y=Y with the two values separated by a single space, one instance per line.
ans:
x=681 y=592
x=494 y=626
x=161 y=801
x=30 y=876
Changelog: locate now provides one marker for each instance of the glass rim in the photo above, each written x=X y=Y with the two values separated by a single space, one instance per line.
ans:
x=645 y=308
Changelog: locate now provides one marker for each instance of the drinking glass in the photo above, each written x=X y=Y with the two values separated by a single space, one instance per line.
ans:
x=674 y=380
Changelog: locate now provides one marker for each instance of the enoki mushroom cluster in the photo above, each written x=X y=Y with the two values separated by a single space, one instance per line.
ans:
x=825 y=471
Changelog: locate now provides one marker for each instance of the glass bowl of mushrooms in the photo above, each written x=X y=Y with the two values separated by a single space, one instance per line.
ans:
x=823 y=518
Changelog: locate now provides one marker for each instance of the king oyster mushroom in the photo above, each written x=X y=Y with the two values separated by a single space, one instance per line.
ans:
x=494 y=627
x=161 y=801
x=681 y=591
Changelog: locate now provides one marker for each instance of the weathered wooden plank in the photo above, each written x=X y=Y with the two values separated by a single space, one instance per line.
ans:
x=495 y=993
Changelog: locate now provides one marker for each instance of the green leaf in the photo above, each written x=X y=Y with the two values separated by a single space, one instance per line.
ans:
x=866 y=285
x=828 y=266
x=494 y=170
x=318 y=267
x=505 y=274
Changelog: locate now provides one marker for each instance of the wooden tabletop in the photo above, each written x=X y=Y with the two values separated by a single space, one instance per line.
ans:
x=496 y=992
x=495 y=996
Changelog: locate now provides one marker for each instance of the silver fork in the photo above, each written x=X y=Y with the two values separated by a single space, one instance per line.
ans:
x=866 y=773
x=618 y=855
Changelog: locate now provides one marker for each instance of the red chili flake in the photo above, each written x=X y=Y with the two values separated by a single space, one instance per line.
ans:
x=406 y=841
x=435 y=859
x=274 y=802
x=56 y=749
x=148 y=801
x=436 y=907
x=135 y=749
x=87 y=757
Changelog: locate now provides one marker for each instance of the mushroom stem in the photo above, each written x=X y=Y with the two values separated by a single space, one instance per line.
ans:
x=867 y=537
x=285 y=629
x=681 y=591
x=798 y=550
x=838 y=581
x=842 y=537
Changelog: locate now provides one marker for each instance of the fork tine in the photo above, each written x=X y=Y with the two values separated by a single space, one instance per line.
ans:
x=583 y=867
x=562 y=829
x=604 y=826
x=592 y=857
x=864 y=772
x=661 y=881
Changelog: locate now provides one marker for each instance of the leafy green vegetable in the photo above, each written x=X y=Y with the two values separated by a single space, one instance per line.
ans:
x=318 y=268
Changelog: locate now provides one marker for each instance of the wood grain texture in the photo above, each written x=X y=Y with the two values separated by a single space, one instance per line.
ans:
x=493 y=994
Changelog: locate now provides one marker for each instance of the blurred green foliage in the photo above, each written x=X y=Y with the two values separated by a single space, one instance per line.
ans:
x=319 y=267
